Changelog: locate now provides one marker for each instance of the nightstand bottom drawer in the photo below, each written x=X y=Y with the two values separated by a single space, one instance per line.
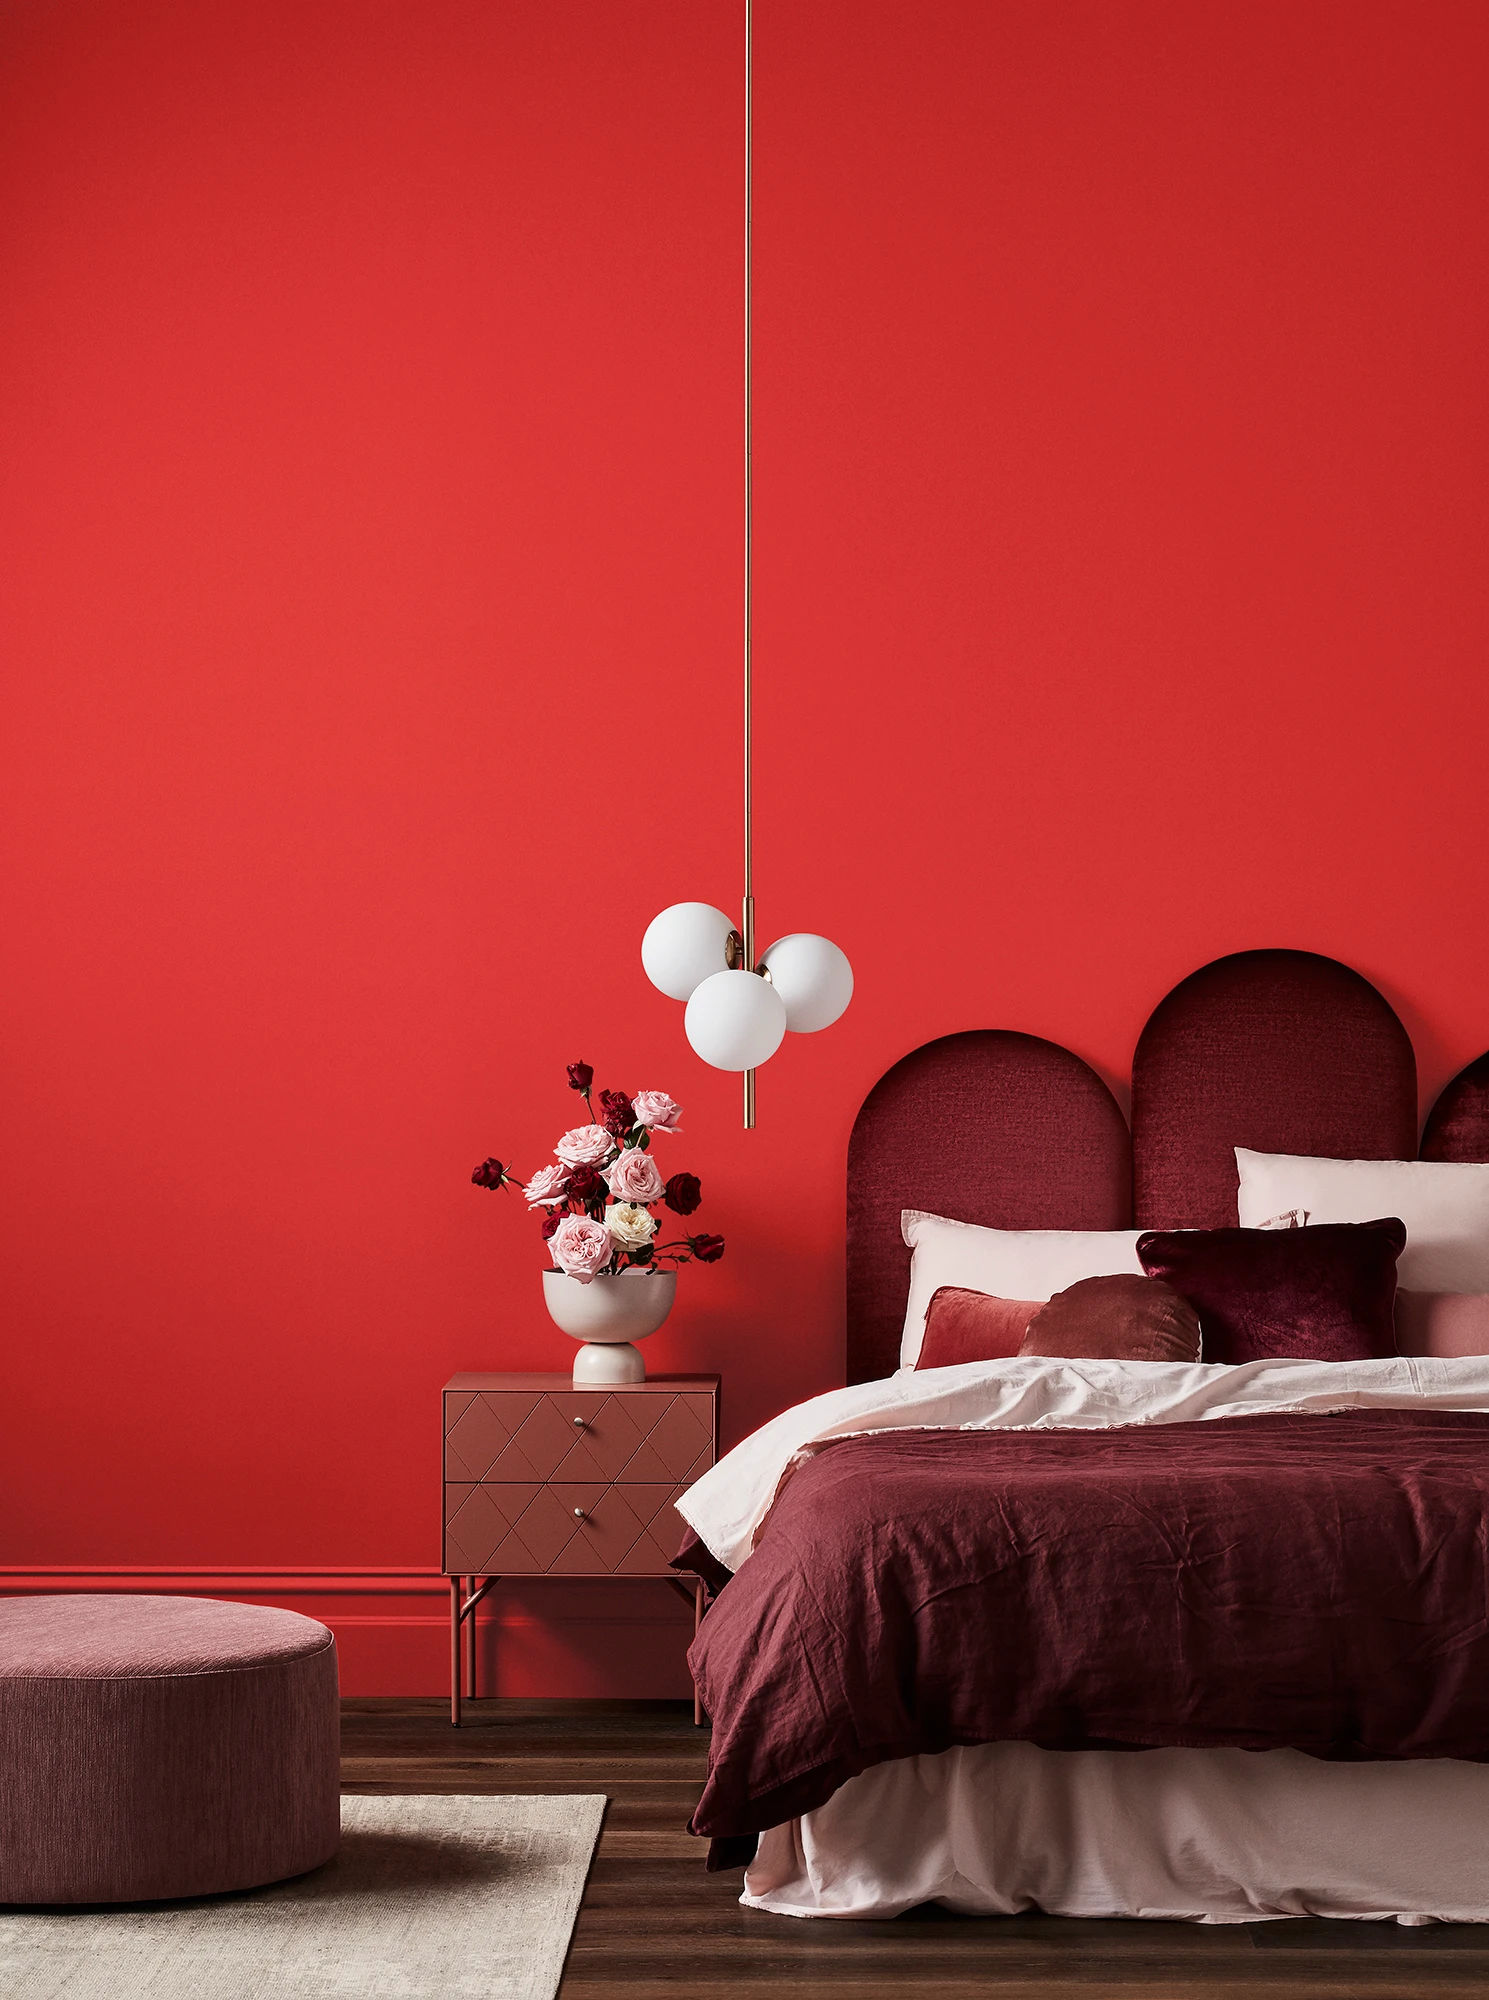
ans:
x=568 y=1529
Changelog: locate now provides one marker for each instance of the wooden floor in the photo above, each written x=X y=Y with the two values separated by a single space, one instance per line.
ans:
x=654 y=1924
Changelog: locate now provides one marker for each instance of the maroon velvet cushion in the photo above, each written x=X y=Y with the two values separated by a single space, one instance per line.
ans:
x=1324 y=1293
x=972 y=1326
x=1121 y=1318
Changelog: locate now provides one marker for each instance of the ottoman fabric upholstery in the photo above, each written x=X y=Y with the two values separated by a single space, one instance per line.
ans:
x=155 y=1747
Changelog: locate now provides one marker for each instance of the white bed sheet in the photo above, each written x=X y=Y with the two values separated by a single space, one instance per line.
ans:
x=728 y=1506
x=1214 y=1836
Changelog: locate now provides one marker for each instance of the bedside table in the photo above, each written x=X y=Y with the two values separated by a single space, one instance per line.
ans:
x=543 y=1479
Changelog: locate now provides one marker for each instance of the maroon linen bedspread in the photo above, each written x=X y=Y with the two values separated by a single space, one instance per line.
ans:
x=1312 y=1581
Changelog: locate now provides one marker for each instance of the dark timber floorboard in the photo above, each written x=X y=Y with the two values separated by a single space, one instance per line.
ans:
x=653 y=1924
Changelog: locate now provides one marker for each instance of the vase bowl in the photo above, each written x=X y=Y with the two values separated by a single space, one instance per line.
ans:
x=608 y=1315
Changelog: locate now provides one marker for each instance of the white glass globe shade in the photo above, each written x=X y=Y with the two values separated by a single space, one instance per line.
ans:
x=736 y=1020
x=813 y=978
x=684 y=946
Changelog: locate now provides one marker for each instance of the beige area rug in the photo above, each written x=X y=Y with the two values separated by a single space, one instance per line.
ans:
x=429 y=1898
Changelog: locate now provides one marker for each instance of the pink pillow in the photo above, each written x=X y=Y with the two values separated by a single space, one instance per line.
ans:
x=1442 y=1324
x=972 y=1326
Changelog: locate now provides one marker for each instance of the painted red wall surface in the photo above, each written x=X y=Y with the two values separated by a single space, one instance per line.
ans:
x=369 y=496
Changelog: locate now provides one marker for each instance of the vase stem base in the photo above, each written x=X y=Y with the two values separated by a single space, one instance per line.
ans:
x=612 y=1361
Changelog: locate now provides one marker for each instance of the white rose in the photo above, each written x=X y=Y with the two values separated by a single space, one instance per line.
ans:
x=630 y=1225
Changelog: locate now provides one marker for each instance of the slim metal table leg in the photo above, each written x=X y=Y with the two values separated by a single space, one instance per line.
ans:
x=697 y=1621
x=470 y=1644
x=454 y=1652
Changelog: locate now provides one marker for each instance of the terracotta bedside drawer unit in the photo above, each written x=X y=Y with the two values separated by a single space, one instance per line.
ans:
x=543 y=1479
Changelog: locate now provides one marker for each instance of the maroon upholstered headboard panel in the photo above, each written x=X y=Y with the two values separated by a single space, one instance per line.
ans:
x=991 y=1127
x=1458 y=1124
x=1282 y=1051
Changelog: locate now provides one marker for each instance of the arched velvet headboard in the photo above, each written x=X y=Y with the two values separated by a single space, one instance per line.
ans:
x=992 y=1127
x=1281 y=1051
x=1458 y=1124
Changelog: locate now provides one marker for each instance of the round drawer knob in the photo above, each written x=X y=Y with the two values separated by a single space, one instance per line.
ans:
x=580 y=1422
x=578 y=1513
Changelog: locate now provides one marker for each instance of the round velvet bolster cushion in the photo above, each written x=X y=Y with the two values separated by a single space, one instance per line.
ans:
x=1119 y=1318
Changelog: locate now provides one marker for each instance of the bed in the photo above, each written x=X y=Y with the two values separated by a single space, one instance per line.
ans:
x=1101 y=1638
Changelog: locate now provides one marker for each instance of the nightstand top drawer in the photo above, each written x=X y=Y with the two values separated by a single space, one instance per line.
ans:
x=654 y=1385
x=497 y=1436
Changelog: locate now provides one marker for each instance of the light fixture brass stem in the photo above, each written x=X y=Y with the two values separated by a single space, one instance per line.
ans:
x=749 y=523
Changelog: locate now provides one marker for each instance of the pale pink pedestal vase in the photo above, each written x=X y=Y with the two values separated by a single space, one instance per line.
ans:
x=608 y=1315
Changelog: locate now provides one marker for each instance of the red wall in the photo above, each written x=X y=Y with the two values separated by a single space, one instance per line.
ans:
x=369 y=379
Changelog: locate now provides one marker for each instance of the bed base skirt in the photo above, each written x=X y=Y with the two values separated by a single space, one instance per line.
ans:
x=1211 y=1836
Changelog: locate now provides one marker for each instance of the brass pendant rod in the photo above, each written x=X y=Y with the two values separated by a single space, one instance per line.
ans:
x=748 y=913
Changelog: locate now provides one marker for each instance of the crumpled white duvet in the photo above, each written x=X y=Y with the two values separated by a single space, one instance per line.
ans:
x=728 y=1505
x=1217 y=1836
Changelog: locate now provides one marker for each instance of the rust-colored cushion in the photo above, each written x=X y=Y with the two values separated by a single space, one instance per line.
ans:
x=972 y=1326
x=1324 y=1293
x=156 y=1747
x=1116 y=1319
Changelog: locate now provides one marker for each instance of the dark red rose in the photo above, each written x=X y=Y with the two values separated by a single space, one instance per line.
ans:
x=617 y=1113
x=707 y=1249
x=584 y=1183
x=581 y=1076
x=682 y=1193
x=551 y=1221
x=490 y=1174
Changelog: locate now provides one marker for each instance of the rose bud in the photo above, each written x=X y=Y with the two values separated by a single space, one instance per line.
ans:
x=682 y=1193
x=490 y=1174
x=617 y=1113
x=707 y=1249
x=550 y=1222
x=581 y=1076
x=585 y=1183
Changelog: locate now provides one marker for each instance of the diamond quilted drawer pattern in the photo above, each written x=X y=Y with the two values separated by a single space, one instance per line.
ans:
x=563 y=1529
x=510 y=1435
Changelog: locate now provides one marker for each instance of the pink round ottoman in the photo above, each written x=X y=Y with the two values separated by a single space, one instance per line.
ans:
x=162 y=1746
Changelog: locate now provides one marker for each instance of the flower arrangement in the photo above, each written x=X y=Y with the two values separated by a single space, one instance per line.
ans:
x=597 y=1201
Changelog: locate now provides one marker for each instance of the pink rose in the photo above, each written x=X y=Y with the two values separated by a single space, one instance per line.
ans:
x=585 y=1146
x=580 y=1247
x=634 y=1177
x=547 y=1186
x=656 y=1110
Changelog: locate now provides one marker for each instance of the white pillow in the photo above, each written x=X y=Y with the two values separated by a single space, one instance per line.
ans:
x=1444 y=1204
x=1005 y=1263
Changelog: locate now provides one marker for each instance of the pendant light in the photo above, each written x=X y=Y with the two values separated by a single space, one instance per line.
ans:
x=738 y=1011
